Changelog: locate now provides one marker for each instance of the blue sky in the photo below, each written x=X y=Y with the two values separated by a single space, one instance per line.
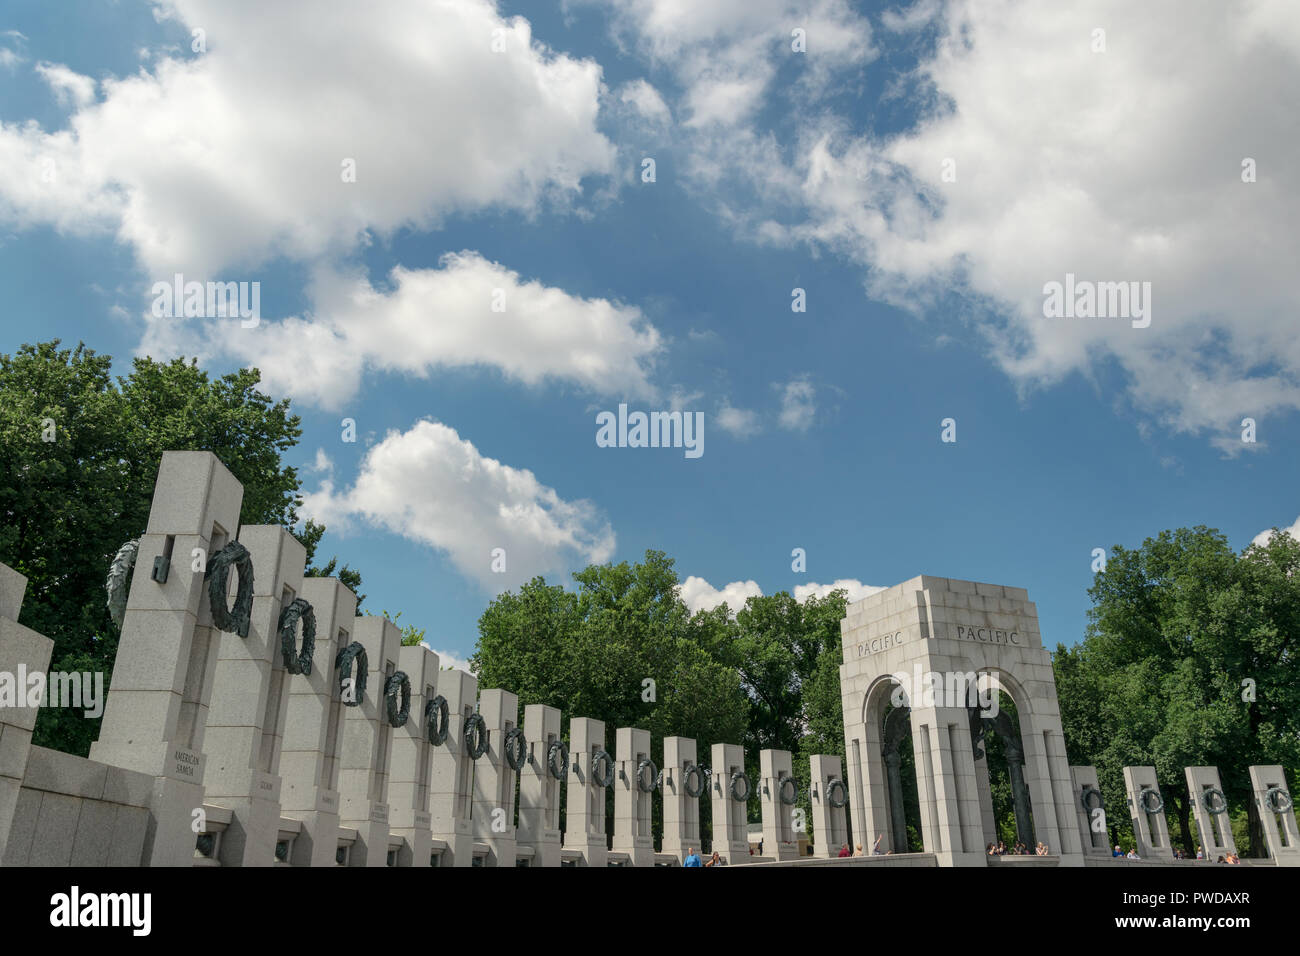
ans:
x=774 y=170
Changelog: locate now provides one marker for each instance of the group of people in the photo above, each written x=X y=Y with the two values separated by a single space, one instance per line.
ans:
x=875 y=849
x=693 y=858
x=1230 y=858
x=1020 y=849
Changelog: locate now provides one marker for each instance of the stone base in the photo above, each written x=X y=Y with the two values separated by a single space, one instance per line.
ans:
x=169 y=838
x=371 y=848
x=250 y=838
x=460 y=843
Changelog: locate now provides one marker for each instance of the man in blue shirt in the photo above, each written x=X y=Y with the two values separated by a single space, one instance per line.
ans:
x=691 y=858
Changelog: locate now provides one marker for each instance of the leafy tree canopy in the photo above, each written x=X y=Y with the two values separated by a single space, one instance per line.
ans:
x=79 y=456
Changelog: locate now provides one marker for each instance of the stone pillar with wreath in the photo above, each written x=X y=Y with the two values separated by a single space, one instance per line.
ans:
x=1277 y=814
x=634 y=786
x=1147 y=810
x=546 y=766
x=155 y=716
x=730 y=790
x=778 y=796
x=828 y=796
x=1213 y=822
x=363 y=668
x=591 y=774
x=314 y=630
x=1090 y=812
x=458 y=741
x=408 y=706
x=503 y=756
x=684 y=783
x=250 y=688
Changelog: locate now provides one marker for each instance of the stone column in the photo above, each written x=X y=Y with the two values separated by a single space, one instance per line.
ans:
x=451 y=785
x=157 y=708
x=249 y=700
x=1091 y=821
x=779 y=840
x=494 y=779
x=539 y=787
x=1280 y=830
x=1150 y=828
x=408 y=789
x=830 y=831
x=730 y=820
x=681 y=810
x=367 y=744
x=22 y=652
x=309 y=761
x=1047 y=768
x=584 y=822
x=633 y=788
x=983 y=788
x=1215 y=828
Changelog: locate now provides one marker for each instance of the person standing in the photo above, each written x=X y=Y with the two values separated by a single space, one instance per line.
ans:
x=692 y=858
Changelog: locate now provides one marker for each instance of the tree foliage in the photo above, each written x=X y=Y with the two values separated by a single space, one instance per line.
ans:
x=79 y=456
x=1189 y=660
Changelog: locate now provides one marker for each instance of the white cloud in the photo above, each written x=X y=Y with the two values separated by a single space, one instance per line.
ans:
x=431 y=318
x=70 y=88
x=699 y=595
x=855 y=588
x=798 y=407
x=449 y=659
x=431 y=486
x=234 y=156
x=918 y=15
x=9 y=60
x=740 y=422
x=323 y=463
x=645 y=99
x=1117 y=166
x=726 y=53
x=1264 y=537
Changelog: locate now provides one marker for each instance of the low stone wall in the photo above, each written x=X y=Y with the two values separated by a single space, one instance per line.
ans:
x=77 y=812
x=927 y=860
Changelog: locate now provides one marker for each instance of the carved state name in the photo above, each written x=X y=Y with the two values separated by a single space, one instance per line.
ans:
x=987 y=635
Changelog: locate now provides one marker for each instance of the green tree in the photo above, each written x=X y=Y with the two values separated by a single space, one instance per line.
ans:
x=1189 y=660
x=79 y=455
x=622 y=649
x=412 y=636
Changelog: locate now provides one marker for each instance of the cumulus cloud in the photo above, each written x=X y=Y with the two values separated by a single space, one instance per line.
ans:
x=726 y=53
x=431 y=318
x=855 y=588
x=699 y=595
x=449 y=659
x=1264 y=537
x=236 y=155
x=431 y=486
x=1116 y=166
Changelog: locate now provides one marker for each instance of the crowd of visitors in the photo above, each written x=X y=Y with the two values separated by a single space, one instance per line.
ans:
x=1019 y=849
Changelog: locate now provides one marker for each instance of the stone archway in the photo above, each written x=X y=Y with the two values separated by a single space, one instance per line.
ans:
x=941 y=628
